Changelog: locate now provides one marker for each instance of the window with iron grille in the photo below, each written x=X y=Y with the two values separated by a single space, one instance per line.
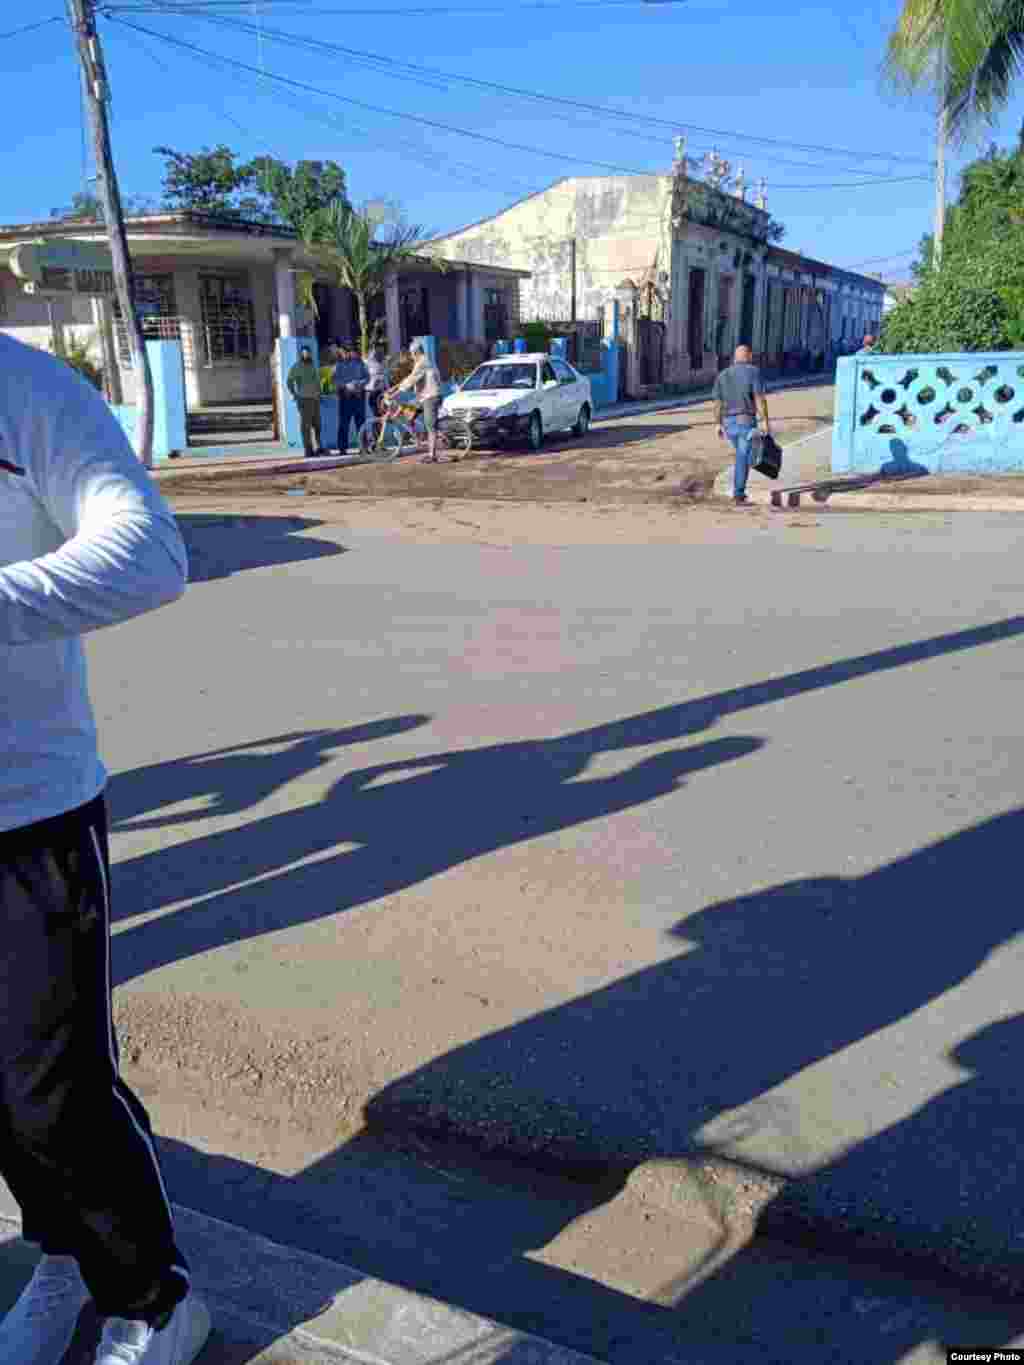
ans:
x=228 y=320
x=157 y=310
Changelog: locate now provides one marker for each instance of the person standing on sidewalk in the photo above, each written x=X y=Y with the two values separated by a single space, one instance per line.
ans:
x=304 y=387
x=86 y=541
x=350 y=380
x=740 y=395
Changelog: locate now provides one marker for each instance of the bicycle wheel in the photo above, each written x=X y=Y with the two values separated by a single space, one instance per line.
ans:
x=381 y=439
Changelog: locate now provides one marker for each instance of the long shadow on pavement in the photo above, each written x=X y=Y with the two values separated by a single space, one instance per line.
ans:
x=415 y=818
x=771 y=983
x=767 y=985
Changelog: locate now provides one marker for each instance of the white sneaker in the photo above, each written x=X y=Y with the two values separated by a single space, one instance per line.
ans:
x=136 y=1343
x=39 y=1328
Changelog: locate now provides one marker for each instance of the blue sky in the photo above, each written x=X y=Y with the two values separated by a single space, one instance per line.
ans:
x=800 y=74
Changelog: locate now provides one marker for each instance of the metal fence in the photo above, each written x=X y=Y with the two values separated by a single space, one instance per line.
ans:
x=583 y=339
x=153 y=329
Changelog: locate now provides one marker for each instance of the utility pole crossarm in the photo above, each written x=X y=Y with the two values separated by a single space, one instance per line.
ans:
x=97 y=94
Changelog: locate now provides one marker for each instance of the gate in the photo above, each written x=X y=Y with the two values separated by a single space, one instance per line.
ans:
x=650 y=346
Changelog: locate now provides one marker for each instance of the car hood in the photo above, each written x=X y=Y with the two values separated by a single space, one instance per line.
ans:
x=488 y=398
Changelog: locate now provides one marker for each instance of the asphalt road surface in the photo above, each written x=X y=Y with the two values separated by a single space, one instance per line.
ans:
x=603 y=856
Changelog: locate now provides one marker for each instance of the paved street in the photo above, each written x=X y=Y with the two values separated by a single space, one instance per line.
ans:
x=604 y=855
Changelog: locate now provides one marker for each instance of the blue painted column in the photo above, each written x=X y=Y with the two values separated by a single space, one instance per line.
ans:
x=288 y=349
x=170 y=429
x=610 y=357
x=560 y=348
x=170 y=424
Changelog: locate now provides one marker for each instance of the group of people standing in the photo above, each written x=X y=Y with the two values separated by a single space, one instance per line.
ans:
x=359 y=385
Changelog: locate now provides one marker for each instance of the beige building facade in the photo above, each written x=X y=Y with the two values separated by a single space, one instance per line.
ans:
x=690 y=265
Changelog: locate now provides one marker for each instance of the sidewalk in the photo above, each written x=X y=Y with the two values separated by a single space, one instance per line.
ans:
x=810 y=459
x=275 y=1305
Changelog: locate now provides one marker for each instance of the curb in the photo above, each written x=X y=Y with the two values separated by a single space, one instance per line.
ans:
x=272 y=1303
x=818 y=1212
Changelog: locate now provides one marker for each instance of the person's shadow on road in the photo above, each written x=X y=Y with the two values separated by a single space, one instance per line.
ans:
x=221 y=544
x=672 y=1062
x=645 y=1069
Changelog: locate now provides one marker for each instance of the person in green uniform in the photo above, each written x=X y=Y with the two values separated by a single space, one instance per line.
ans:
x=304 y=387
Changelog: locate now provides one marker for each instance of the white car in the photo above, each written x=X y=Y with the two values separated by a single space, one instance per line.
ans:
x=521 y=398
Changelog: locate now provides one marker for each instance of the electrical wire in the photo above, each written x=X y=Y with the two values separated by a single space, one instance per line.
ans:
x=177 y=7
x=399 y=11
x=454 y=169
x=881 y=260
x=450 y=128
x=30 y=28
x=441 y=80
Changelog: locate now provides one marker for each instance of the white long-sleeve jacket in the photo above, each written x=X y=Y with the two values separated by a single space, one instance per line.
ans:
x=86 y=540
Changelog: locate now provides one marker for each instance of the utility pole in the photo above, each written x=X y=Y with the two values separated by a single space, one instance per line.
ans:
x=572 y=259
x=940 y=158
x=90 y=53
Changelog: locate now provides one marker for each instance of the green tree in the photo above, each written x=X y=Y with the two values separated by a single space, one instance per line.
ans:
x=360 y=251
x=83 y=205
x=293 y=197
x=975 y=299
x=210 y=181
x=967 y=51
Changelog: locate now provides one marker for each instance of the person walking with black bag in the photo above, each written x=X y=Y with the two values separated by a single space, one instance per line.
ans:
x=739 y=394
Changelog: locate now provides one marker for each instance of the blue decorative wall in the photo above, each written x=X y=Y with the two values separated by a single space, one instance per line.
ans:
x=943 y=414
x=170 y=435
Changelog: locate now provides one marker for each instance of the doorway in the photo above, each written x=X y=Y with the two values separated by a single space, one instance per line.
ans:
x=695 y=319
x=747 y=313
x=724 y=347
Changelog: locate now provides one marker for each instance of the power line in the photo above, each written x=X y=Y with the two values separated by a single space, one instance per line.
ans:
x=176 y=7
x=400 y=11
x=431 y=76
x=880 y=260
x=390 y=113
x=458 y=170
x=446 y=127
x=30 y=28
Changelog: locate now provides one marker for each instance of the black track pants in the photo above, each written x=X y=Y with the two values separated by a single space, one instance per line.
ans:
x=75 y=1144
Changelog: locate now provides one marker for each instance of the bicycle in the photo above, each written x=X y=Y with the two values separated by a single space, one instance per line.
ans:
x=399 y=430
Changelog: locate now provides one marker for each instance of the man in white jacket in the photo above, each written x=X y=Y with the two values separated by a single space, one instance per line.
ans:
x=85 y=541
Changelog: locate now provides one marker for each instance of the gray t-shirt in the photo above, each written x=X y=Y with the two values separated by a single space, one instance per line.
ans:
x=736 y=389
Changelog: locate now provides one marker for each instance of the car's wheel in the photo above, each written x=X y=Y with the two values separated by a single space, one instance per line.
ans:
x=535 y=432
x=582 y=421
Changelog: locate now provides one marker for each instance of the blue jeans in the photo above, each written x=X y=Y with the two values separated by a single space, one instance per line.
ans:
x=740 y=431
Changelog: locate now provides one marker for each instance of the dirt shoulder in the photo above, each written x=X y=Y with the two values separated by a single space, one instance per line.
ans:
x=647 y=458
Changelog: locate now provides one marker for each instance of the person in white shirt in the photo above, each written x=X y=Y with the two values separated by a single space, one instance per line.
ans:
x=425 y=381
x=86 y=541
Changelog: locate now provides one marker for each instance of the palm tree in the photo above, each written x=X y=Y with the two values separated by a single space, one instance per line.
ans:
x=967 y=51
x=356 y=248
